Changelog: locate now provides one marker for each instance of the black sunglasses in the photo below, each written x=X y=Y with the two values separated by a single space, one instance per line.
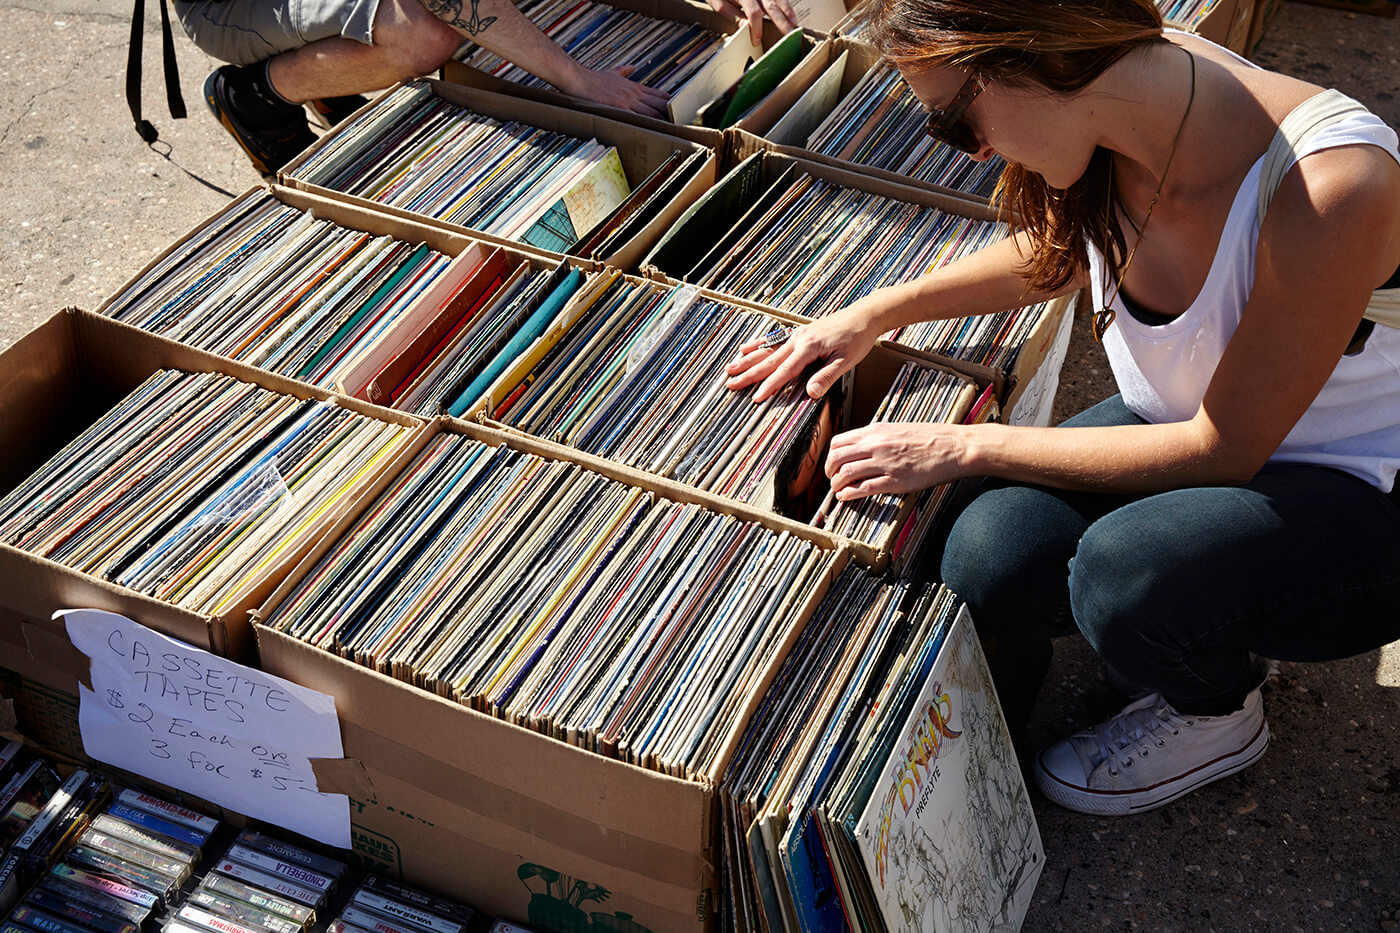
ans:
x=948 y=126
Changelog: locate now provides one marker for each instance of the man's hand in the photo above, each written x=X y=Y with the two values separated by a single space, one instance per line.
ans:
x=614 y=89
x=752 y=11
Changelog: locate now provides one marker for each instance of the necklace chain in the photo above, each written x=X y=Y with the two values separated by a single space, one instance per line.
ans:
x=1105 y=315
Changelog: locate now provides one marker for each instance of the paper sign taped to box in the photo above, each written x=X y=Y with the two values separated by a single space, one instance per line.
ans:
x=228 y=733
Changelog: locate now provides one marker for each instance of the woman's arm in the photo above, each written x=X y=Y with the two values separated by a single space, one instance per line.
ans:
x=984 y=282
x=1330 y=237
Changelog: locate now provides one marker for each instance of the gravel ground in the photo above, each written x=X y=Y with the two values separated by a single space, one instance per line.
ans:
x=1305 y=840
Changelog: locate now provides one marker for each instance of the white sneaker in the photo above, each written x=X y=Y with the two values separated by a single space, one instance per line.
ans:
x=1149 y=755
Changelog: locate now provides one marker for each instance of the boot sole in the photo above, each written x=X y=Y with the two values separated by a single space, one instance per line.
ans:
x=232 y=128
x=1123 y=803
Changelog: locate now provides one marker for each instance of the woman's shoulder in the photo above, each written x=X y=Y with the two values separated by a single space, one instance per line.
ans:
x=1274 y=94
x=1345 y=196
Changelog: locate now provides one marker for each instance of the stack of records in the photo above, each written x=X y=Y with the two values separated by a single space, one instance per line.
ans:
x=664 y=54
x=373 y=317
x=274 y=287
x=193 y=486
x=1186 y=13
x=881 y=123
x=418 y=152
x=811 y=247
x=560 y=600
x=991 y=340
x=639 y=379
x=876 y=787
x=919 y=394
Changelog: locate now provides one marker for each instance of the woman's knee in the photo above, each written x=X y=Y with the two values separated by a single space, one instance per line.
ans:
x=1009 y=563
x=1126 y=595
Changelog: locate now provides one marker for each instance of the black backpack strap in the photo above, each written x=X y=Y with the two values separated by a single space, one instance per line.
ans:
x=174 y=100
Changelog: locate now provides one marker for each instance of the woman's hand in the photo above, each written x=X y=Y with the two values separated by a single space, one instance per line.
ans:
x=894 y=457
x=841 y=340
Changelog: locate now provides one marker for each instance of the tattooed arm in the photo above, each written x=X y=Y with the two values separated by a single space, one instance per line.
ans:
x=498 y=26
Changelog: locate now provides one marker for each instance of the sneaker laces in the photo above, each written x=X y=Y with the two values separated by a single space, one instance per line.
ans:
x=1135 y=728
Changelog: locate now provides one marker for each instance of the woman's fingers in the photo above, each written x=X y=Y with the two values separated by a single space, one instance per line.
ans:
x=753 y=364
x=874 y=486
x=793 y=362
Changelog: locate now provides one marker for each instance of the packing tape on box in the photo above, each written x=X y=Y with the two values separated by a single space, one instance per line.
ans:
x=54 y=649
x=343 y=776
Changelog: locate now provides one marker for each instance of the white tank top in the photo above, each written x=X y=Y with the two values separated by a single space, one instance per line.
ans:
x=1163 y=370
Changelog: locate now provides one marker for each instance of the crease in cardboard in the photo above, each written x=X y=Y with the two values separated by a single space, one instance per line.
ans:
x=346 y=776
x=57 y=651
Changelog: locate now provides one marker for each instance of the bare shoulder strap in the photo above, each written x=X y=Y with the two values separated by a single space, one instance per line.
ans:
x=1312 y=116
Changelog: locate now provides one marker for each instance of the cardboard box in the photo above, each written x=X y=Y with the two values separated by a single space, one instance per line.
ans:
x=56 y=381
x=869 y=382
x=750 y=135
x=641 y=151
x=1026 y=389
x=356 y=217
x=479 y=809
x=677 y=11
x=774 y=163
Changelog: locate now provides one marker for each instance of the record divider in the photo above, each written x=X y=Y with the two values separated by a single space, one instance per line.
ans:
x=640 y=149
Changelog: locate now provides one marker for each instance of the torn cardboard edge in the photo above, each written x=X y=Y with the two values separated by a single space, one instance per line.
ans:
x=54 y=649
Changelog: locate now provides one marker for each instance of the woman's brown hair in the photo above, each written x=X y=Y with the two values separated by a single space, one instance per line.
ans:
x=1061 y=46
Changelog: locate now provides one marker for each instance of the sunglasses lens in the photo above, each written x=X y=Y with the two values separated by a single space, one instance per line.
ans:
x=956 y=134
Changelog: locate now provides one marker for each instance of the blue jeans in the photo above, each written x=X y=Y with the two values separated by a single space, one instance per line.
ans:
x=1175 y=590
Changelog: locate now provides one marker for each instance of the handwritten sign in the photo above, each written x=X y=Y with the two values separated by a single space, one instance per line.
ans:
x=233 y=735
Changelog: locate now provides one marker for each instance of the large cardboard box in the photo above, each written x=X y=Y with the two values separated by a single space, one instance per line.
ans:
x=751 y=135
x=1052 y=331
x=480 y=809
x=450 y=242
x=56 y=381
x=640 y=149
x=867 y=385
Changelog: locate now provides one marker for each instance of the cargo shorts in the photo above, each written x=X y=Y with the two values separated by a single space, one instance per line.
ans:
x=245 y=31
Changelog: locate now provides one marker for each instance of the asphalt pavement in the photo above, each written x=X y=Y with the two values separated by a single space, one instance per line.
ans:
x=1308 y=839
